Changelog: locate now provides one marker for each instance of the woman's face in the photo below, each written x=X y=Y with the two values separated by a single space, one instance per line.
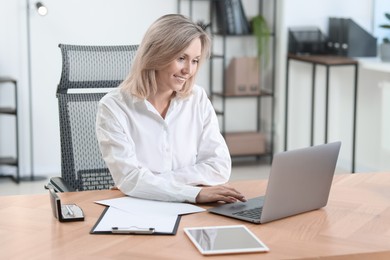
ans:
x=175 y=74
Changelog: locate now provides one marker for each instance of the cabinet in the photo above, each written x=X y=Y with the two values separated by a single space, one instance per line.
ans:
x=232 y=107
x=6 y=82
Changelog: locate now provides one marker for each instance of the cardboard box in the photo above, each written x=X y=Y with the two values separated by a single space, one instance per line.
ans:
x=246 y=143
x=242 y=76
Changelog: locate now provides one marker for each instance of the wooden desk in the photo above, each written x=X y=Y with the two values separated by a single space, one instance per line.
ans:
x=354 y=225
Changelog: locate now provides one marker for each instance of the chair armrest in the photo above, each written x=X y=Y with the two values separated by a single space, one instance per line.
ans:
x=59 y=185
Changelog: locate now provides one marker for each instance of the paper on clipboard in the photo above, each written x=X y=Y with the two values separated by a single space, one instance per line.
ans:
x=114 y=217
x=149 y=207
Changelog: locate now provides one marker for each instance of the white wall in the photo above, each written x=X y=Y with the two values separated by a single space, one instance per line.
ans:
x=124 y=22
x=370 y=154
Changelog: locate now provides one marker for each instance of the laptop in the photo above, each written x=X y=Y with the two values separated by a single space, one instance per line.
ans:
x=299 y=181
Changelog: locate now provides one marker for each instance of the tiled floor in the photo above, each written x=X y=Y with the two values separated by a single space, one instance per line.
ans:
x=8 y=187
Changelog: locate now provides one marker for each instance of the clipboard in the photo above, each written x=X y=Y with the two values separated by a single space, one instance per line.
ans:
x=116 y=221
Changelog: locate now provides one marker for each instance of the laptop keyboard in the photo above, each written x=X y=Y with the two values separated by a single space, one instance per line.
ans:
x=254 y=213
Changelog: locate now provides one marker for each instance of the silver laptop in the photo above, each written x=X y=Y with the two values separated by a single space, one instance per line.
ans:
x=299 y=181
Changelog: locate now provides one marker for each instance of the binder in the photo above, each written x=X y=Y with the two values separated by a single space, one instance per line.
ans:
x=220 y=17
x=241 y=24
x=244 y=21
x=231 y=18
x=333 y=36
x=347 y=38
x=117 y=221
x=237 y=18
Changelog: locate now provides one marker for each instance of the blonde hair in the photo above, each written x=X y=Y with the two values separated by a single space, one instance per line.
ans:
x=163 y=42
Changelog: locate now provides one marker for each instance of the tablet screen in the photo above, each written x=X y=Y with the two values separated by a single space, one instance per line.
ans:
x=225 y=240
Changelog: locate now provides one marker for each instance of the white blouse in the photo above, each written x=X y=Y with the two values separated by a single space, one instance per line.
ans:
x=162 y=159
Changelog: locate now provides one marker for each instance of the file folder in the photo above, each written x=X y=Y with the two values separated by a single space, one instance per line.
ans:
x=347 y=38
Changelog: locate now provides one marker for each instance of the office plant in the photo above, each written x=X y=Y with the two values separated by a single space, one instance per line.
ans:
x=262 y=33
x=384 y=48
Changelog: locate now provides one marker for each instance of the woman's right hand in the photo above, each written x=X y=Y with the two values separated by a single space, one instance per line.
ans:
x=219 y=193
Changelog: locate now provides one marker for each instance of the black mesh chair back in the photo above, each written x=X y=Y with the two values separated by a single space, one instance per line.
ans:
x=88 y=73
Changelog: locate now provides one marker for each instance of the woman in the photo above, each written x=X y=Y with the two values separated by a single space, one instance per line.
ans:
x=158 y=132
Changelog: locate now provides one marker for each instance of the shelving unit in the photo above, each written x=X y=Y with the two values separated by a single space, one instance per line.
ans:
x=11 y=111
x=252 y=143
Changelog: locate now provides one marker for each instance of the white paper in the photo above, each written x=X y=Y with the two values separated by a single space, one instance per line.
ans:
x=150 y=207
x=115 y=217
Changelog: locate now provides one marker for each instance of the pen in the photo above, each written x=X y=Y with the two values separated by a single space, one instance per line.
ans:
x=70 y=211
x=131 y=230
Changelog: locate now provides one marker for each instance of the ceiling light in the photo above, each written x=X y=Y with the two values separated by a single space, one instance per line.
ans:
x=41 y=9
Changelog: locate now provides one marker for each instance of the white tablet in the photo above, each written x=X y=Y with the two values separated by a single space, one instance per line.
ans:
x=225 y=240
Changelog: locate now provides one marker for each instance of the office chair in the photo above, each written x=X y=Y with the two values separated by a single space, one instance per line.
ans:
x=88 y=73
